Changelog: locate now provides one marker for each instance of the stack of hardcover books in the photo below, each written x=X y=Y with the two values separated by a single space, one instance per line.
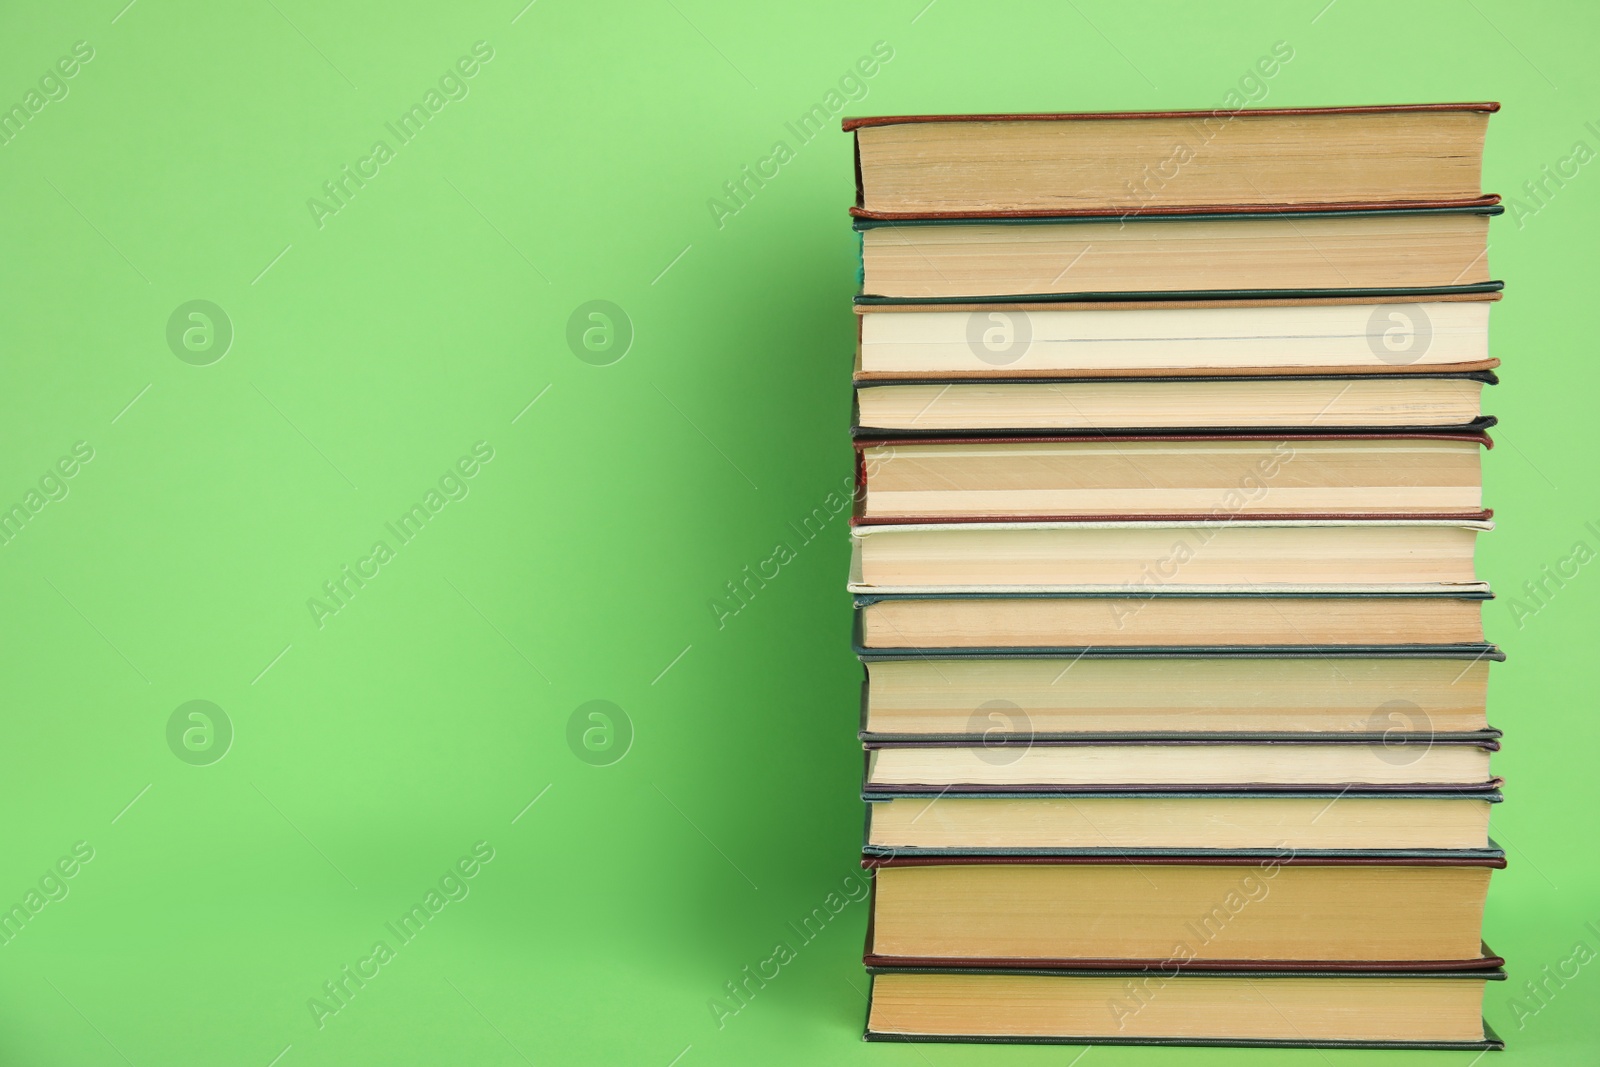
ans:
x=1169 y=442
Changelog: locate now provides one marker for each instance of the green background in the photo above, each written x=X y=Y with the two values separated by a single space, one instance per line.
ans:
x=371 y=352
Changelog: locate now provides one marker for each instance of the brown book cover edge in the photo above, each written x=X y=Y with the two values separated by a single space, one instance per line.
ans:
x=1157 y=210
x=850 y=124
x=873 y=863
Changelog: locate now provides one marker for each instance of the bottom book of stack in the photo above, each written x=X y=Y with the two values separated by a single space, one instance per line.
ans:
x=1269 y=1005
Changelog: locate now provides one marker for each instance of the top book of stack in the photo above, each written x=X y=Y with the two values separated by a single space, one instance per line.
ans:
x=1170 y=162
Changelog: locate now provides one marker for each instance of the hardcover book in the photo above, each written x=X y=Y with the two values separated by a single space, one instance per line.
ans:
x=1152 y=162
x=1001 y=763
x=1173 y=1002
x=1169 y=618
x=1189 y=339
x=1416 y=555
x=1261 y=403
x=1409 y=252
x=1047 y=822
x=1228 y=910
x=1110 y=692
x=1206 y=476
